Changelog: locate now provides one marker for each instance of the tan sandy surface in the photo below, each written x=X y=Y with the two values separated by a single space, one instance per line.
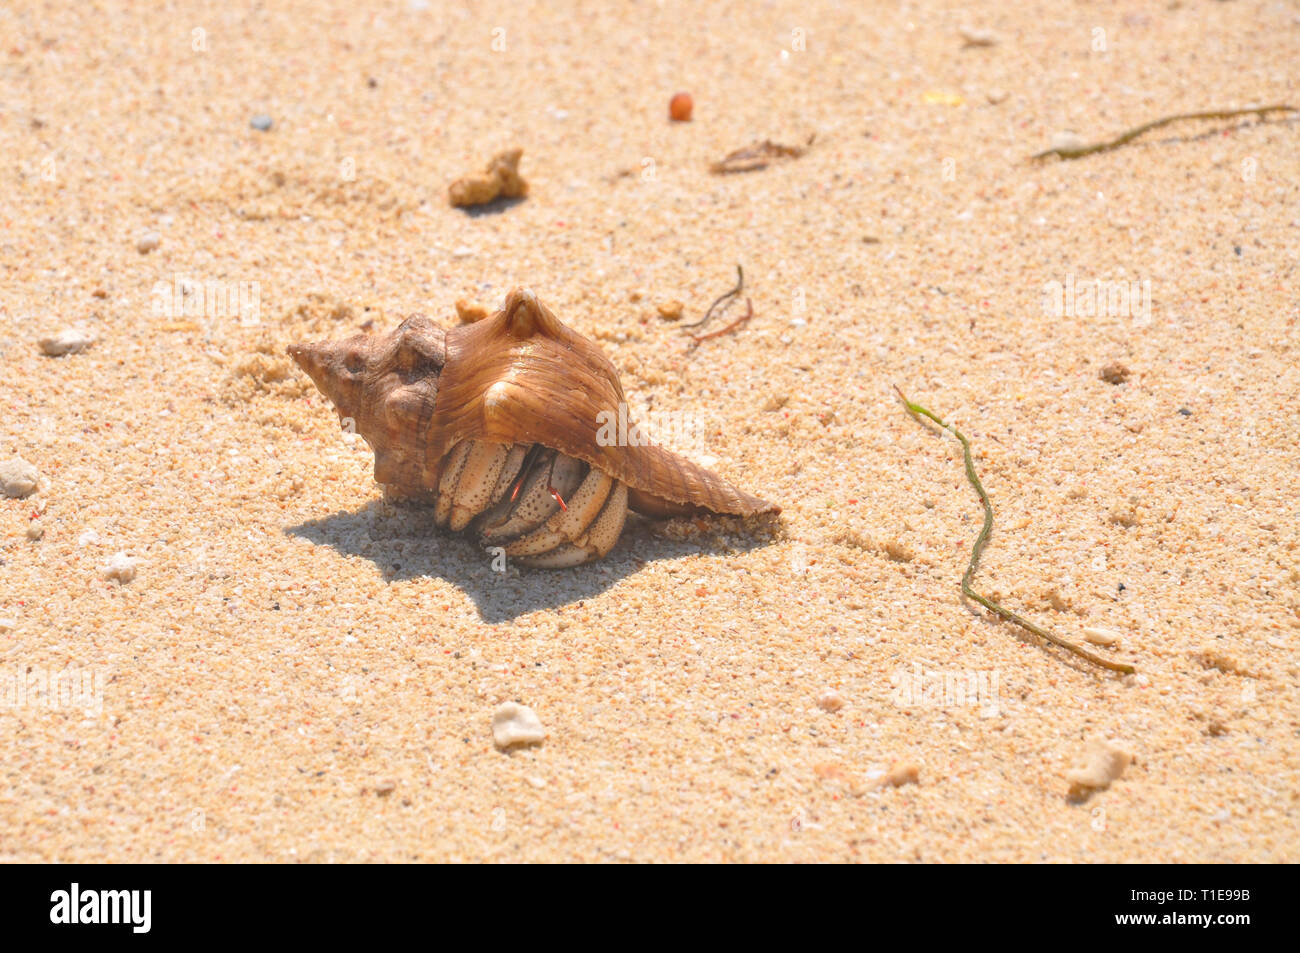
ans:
x=299 y=672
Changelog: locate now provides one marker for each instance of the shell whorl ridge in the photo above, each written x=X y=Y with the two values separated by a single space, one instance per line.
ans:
x=490 y=421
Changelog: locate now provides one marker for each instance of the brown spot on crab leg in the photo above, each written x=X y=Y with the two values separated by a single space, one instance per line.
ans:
x=513 y=467
x=550 y=485
x=608 y=526
x=535 y=504
x=534 y=452
x=502 y=514
x=447 y=483
x=477 y=480
x=569 y=524
x=593 y=544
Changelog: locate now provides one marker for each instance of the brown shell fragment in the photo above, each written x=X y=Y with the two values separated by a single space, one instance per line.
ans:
x=498 y=424
x=500 y=180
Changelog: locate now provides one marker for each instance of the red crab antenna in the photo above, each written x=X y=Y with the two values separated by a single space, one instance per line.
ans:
x=550 y=486
x=524 y=469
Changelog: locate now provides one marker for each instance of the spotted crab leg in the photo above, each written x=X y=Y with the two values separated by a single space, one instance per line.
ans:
x=535 y=502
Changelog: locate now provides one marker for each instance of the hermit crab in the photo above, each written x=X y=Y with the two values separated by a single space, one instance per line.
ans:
x=502 y=426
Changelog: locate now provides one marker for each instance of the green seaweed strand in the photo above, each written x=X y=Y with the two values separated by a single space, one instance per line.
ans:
x=1078 y=152
x=978 y=550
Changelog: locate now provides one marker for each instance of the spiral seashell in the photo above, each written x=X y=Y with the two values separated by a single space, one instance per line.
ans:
x=497 y=424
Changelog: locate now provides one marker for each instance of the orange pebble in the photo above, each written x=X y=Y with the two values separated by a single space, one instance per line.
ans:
x=679 y=108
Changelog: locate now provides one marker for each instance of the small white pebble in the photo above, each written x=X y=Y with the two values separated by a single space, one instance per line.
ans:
x=1067 y=141
x=515 y=725
x=70 y=341
x=1099 y=636
x=462 y=251
x=996 y=94
x=6 y=624
x=830 y=700
x=88 y=538
x=798 y=323
x=120 y=567
x=35 y=530
x=147 y=242
x=975 y=37
x=536 y=782
x=1102 y=763
x=18 y=478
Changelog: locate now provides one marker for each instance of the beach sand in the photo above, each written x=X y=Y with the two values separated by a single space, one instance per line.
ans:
x=297 y=671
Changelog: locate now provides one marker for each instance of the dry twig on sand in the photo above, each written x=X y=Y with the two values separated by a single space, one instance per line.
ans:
x=749 y=313
x=982 y=540
x=724 y=297
x=1078 y=152
x=758 y=156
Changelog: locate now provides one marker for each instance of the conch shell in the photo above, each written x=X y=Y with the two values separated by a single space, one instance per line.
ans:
x=503 y=426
